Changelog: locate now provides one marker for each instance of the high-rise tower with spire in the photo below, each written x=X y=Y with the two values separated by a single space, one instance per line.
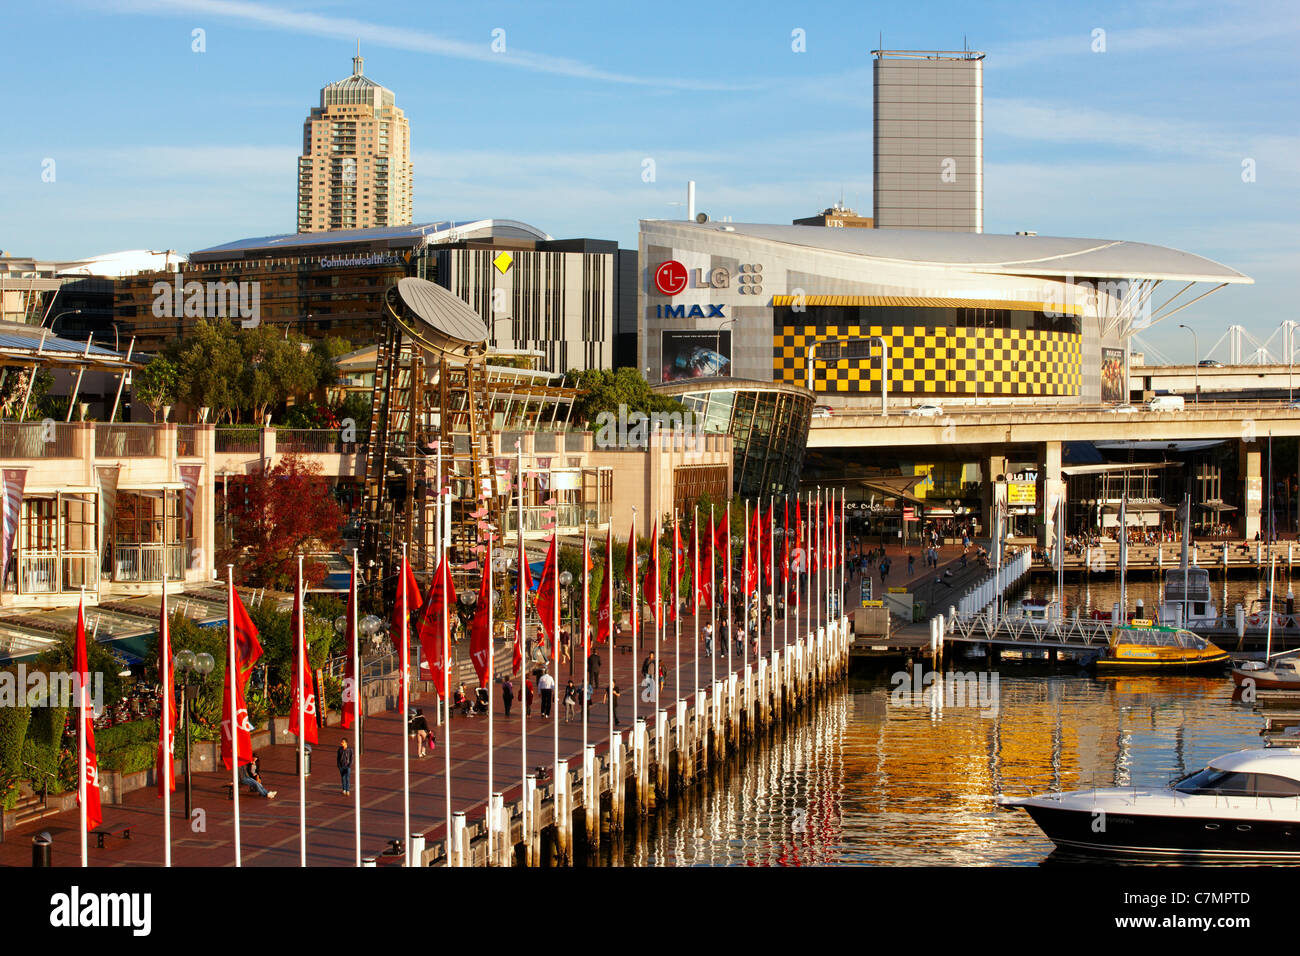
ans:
x=355 y=168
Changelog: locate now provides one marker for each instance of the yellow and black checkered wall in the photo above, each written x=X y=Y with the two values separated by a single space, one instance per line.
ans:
x=929 y=360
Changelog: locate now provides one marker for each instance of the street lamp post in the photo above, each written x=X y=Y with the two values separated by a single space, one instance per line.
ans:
x=200 y=665
x=566 y=579
x=1196 y=362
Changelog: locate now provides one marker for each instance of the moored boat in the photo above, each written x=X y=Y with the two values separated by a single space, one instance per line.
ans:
x=1282 y=673
x=1243 y=807
x=1144 y=645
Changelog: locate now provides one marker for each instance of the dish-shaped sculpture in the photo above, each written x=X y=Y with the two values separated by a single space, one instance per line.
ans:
x=436 y=315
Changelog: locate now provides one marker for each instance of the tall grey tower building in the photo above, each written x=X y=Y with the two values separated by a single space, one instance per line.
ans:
x=928 y=142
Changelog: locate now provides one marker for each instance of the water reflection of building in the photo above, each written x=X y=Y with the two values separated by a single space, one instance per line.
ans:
x=767 y=421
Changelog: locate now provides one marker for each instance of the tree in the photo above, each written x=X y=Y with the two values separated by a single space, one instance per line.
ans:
x=282 y=513
x=606 y=391
x=157 y=384
x=209 y=365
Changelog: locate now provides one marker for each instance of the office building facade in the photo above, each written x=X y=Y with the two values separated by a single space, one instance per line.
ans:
x=928 y=140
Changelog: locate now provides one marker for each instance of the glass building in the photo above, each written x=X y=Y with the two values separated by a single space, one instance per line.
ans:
x=768 y=423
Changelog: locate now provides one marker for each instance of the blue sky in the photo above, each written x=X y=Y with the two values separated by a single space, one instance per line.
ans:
x=157 y=146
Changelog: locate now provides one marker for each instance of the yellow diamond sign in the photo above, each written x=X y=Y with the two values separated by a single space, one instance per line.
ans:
x=503 y=262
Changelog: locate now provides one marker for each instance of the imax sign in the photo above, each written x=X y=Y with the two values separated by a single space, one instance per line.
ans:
x=689 y=312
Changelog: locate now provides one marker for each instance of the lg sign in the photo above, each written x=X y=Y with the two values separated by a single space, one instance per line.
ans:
x=670 y=277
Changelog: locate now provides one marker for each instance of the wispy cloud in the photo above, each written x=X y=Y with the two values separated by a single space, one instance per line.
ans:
x=1248 y=25
x=416 y=40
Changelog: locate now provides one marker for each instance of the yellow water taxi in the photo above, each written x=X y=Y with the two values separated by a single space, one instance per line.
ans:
x=1144 y=645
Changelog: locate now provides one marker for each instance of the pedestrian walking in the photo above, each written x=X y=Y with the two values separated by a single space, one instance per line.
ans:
x=344 y=760
x=911 y=565
x=546 y=684
x=708 y=640
x=570 y=700
x=528 y=697
x=593 y=669
x=507 y=695
x=612 y=694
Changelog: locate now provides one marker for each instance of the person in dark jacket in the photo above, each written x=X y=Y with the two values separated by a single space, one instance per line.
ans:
x=507 y=695
x=344 y=761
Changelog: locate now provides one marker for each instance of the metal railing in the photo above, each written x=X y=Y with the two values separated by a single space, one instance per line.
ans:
x=239 y=440
x=126 y=440
x=145 y=562
x=36 y=440
x=187 y=441
x=319 y=441
x=52 y=573
x=539 y=518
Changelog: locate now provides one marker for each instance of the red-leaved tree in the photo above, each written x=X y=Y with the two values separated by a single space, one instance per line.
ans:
x=277 y=515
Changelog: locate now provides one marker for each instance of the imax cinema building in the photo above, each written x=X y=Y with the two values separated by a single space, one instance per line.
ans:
x=959 y=316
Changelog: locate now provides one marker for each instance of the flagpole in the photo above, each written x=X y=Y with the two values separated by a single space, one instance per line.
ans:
x=803 y=567
x=491 y=662
x=232 y=668
x=713 y=602
x=744 y=632
x=555 y=654
x=771 y=569
x=632 y=614
x=677 y=611
x=586 y=650
x=661 y=622
x=615 y=791
x=695 y=590
x=731 y=620
x=84 y=679
x=356 y=708
x=406 y=706
x=443 y=583
x=168 y=768
x=300 y=640
x=522 y=647
x=785 y=571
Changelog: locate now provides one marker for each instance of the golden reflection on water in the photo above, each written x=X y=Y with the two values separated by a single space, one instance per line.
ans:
x=866 y=779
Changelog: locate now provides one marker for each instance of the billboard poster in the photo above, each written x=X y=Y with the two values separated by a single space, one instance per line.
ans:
x=695 y=354
x=1113 y=388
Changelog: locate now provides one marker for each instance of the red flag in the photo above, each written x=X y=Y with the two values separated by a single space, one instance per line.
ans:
x=676 y=565
x=165 y=772
x=629 y=564
x=247 y=650
x=650 y=585
x=303 y=711
x=405 y=581
x=350 y=689
x=90 y=770
x=605 y=612
x=768 y=552
x=433 y=626
x=706 y=567
x=785 y=545
x=751 y=572
x=546 y=593
x=522 y=589
x=480 y=635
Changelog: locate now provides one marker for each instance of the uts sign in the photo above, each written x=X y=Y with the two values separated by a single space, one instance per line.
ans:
x=670 y=277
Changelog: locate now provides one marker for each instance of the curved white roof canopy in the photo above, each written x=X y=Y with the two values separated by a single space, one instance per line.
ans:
x=983 y=252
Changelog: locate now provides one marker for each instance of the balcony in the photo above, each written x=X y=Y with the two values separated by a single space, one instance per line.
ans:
x=126 y=440
x=145 y=562
x=36 y=440
x=51 y=572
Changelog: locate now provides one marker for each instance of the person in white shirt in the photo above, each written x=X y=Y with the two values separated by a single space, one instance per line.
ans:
x=546 y=684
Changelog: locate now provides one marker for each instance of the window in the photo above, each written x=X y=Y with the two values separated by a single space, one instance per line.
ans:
x=1270 y=785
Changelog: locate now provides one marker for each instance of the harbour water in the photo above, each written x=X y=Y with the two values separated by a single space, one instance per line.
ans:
x=877 y=776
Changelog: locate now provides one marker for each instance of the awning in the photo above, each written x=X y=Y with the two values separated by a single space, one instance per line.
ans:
x=1134 y=508
x=1216 y=506
x=1116 y=468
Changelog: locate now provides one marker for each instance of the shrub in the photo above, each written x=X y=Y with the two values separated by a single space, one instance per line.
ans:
x=13 y=731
